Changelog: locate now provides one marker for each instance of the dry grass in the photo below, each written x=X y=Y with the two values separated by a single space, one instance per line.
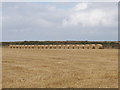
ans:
x=0 y=68
x=60 y=68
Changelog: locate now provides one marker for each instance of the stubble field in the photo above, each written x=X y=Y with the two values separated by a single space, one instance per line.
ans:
x=83 y=68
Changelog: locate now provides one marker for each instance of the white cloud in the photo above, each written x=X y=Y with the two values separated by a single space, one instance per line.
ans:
x=43 y=21
x=90 y=17
x=80 y=6
x=60 y=0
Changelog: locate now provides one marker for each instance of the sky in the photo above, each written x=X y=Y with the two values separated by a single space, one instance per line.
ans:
x=59 y=21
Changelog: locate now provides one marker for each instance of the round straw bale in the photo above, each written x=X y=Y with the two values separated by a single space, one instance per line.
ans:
x=16 y=46
x=21 y=46
x=82 y=46
x=45 y=46
x=92 y=46
x=72 y=46
x=86 y=46
x=25 y=46
x=38 y=46
x=10 y=46
x=68 y=46
x=54 y=46
x=29 y=46
x=62 y=46
x=65 y=46
x=77 y=46
x=32 y=46
x=99 y=46
x=59 y=46
x=50 y=46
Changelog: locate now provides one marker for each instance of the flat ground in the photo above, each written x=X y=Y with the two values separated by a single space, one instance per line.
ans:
x=27 y=68
x=0 y=68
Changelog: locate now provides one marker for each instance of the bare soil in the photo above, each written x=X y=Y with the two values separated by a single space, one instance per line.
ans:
x=83 y=68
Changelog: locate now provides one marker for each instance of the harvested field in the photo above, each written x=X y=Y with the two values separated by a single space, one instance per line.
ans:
x=80 y=68
x=0 y=68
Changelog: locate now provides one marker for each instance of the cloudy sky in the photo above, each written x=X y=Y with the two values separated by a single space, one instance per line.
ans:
x=59 y=21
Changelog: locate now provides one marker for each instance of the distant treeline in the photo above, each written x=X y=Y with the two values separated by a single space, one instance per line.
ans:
x=106 y=44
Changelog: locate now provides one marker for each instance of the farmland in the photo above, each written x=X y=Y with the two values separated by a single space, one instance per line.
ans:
x=0 y=68
x=52 y=68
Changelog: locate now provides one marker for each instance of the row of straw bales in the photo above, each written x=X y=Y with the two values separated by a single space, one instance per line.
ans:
x=81 y=46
